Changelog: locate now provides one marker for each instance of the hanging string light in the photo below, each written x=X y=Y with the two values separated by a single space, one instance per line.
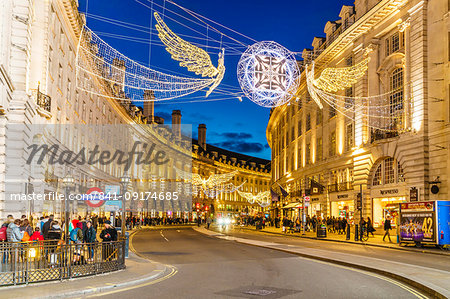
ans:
x=262 y=198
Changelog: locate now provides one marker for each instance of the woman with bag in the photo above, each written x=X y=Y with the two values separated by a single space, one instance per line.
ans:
x=370 y=228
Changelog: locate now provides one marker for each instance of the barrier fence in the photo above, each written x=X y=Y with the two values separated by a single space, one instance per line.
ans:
x=28 y=262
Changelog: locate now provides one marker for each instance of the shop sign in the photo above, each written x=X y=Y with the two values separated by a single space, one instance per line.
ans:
x=394 y=192
x=413 y=194
x=315 y=199
x=425 y=206
x=342 y=196
x=417 y=222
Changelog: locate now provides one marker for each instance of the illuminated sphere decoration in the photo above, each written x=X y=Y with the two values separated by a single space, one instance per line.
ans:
x=268 y=74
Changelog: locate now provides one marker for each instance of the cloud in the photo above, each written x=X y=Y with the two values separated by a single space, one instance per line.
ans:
x=241 y=146
x=232 y=135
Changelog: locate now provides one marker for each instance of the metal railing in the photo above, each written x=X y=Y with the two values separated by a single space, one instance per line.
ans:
x=377 y=134
x=38 y=261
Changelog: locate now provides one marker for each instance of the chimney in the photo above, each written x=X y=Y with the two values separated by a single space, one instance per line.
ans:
x=202 y=136
x=149 y=105
x=176 y=123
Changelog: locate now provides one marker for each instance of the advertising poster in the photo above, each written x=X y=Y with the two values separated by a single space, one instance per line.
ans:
x=417 y=222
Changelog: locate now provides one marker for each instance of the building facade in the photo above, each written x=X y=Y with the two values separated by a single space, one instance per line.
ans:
x=332 y=158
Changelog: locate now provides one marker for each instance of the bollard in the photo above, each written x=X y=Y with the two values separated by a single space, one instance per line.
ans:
x=356 y=233
x=127 y=243
x=348 y=232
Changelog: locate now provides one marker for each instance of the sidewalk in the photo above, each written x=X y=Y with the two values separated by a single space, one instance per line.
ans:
x=432 y=281
x=138 y=271
x=377 y=240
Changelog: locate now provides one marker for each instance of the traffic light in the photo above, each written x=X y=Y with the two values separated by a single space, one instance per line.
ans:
x=197 y=205
x=206 y=208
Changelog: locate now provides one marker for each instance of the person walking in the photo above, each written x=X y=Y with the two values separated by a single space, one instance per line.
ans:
x=370 y=228
x=208 y=222
x=387 y=227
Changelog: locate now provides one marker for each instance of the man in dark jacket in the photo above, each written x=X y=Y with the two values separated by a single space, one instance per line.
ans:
x=387 y=227
x=108 y=235
x=90 y=236
x=47 y=226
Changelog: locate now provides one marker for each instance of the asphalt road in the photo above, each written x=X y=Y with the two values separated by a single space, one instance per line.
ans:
x=415 y=257
x=208 y=267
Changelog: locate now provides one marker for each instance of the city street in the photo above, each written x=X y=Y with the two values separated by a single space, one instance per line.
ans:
x=213 y=268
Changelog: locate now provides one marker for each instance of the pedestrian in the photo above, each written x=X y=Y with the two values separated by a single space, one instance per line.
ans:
x=108 y=235
x=387 y=227
x=27 y=230
x=208 y=221
x=90 y=237
x=13 y=231
x=46 y=227
x=370 y=228
x=37 y=236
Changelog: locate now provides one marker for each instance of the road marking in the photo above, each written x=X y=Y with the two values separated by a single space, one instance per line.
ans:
x=392 y=281
x=162 y=235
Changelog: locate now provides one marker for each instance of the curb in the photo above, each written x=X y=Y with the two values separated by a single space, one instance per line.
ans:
x=347 y=242
x=419 y=286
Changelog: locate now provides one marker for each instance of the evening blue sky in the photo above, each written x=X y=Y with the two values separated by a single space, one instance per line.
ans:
x=234 y=125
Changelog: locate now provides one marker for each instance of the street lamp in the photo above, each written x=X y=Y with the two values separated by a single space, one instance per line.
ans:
x=124 y=181
x=68 y=181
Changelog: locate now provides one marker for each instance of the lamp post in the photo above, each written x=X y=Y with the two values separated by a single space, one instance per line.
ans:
x=68 y=181
x=124 y=181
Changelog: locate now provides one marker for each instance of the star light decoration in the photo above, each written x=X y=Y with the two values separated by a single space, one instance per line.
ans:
x=268 y=74
x=263 y=198
x=211 y=186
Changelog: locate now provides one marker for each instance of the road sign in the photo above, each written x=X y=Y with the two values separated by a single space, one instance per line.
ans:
x=113 y=205
x=112 y=189
x=95 y=203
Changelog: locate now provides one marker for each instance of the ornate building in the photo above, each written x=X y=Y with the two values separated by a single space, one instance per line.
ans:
x=329 y=157
x=38 y=72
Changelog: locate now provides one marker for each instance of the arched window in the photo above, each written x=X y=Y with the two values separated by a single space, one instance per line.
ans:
x=396 y=100
x=388 y=171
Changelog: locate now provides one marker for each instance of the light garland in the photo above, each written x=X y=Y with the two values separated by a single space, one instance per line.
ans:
x=262 y=198
x=192 y=57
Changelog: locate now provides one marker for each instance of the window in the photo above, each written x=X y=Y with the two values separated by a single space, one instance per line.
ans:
x=299 y=157
x=318 y=116
x=308 y=153
x=299 y=128
x=299 y=103
x=349 y=137
x=377 y=176
x=319 y=150
x=389 y=171
x=60 y=76
x=349 y=101
x=349 y=61
x=396 y=100
x=395 y=43
x=308 y=122
x=292 y=133
x=308 y=97
x=332 y=111
x=332 y=150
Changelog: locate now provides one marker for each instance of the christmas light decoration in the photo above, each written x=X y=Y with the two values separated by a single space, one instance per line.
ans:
x=102 y=70
x=336 y=79
x=213 y=185
x=192 y=57
x=268 y=74
x=262 y=198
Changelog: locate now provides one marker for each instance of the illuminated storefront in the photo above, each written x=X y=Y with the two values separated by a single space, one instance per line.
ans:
x=343 y=205
x=386 y=202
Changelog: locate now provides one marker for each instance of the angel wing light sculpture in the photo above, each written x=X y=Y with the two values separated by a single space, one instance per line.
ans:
x=213 y=185
x=262 y=198
x=192 y=57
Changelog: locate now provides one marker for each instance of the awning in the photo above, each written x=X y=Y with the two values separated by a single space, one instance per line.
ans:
x=293 y=205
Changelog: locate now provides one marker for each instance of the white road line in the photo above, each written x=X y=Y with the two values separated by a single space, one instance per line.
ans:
x=162 y=235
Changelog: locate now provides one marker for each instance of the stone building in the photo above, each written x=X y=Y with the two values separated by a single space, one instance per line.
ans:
x=323 y=154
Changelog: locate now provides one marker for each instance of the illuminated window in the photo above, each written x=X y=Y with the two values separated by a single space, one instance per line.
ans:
x=332 y=111
x=349 y=102
x=396 y=100
x=400 y=175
